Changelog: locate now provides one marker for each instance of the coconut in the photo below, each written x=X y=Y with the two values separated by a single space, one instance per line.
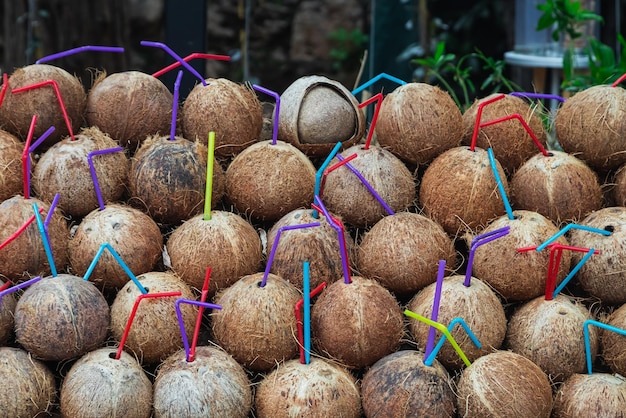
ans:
x=61 y=318
x=514 y=275
x=129 y=231
x=358 y=323
x=418 y=122
x=256 y=324
x=592 y=125
x=604 y=274
x=504 y=384
x=550 y=333
x=459 y=190
x=561 y=187
x=227 y=243
x=18 y=109
x=316 y=390
x=229 y=109
x=212 y=385
x=512 y=145
x=401 y=385
x=386 y=174
x=477 y=304
x=130 y=106
x=618 y=191
x=586 y=395
x=316 y=113
x=64 y=168
x=613 y=344
x=7 y=310
x=168 y=179
x=99 y=385
x=30 y=385
x=11 y=180
x=266 y=180
x=401 y=252
x=155 y=332
x=25 y=256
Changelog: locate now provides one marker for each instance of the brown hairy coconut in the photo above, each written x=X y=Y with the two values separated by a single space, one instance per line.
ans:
x=319 y=389
x=613 y=344
x=459 y=190
x=212 y=385
x=561 y=187
x=514 y=275
x=227 y=243
x=256 y=324
x=7 y=311
x=134 y=236
x=64 y=169
x=477 y=304
x=347 y=196
x=587 y=395
x=316 y=113
x=512 y=145
x=168 y=179
x=61 y=318
x=618 y=192
x=25 y=256
x=603 y=276
x=504 y=384
x=30 y=385
x=401 y=385
x=11 y=180
x=155 y=332
x=229 y=109
x=418 y=122
x=358 y=323
x=592 y=125
x=266 y=181
x=550 y=333
x=384 y=254
x=99 y=385
x=130 y=106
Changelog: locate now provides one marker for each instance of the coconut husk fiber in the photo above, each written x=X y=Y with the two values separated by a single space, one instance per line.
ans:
x=11 y=181
x=7 y=311
x=613 y=344
x=597 y=394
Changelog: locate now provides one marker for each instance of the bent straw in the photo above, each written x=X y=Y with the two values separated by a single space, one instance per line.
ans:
x=571 y=274
x=41 y=139
x=189 y=58
x=204 y=294
x=79 y=49
x=5 y=289
x=538 y=96
x=129 y=273
x=276 y=97
x=375 y=79
x=46 y=242
x=378 y=98
x=431 y=358
x=566 y=228
x=338 y=226
x=26 y=158
x=430 y=343
x=299 y=321
x=479 y=114
x=94 y=176
x=526 y=127
x=333 y=168
x=320 y=172
x=477 y=242
x=176 y=57
x=19 y=231
x=588 y=342
x=505 y=199
x=181 y=323
x=179 y=76
x=615 y=84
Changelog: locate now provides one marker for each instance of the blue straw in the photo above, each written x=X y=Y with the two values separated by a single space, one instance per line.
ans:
x=342 y=247
x=374 y=80
x=431 y=358
x=130 y=274
x=307 y=314
x=588 y=342
x=46 y=243
x=320 y=173
x=566 y=228
x=507 y=205
x=573 y=272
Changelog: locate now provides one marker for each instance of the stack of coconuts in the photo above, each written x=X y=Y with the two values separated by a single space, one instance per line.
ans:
x=113 y=256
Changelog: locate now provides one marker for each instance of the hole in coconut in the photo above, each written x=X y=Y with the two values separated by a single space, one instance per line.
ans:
x=549 y=154
x=116 y=225
x=609 y=228
x=112 y=355
x=260 y=283
x=562 y=312
x=517 y=217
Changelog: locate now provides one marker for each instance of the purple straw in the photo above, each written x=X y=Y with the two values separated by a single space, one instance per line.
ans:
x=477 y=242
x=41 y=139
x=538 y=96
x=276 y=109
x=94 y=177
x=342 y=245
x=430 y=344
x=18 y=286
x=175 y=105
x=181 y=323
x=53 y=206
x=270 y=259
x=79 y=49
x=176 y=57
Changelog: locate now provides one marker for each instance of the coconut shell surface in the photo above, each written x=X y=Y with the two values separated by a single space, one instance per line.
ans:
x=586 y=395
x=618 y=192
x=592 y=125
x=135 y=237
x=400 y=385
x=418 y=122
x=7 y=311
x=613 y=344
x=212 y=385
x=130 y=106
x=319 y=389
x=263 y=336
x=227 y=243
x=504 y=384
x=561 y=187
x=11 y=181
x=345 y=194
x=65 y=169
x=604 y=274
x=512 y=145
x=479 y=307
x=459 y=191
x=61 y=318
x=99 y=385
x=402 y=252
x=356 y=324
x=229 y=109
x=266 y=181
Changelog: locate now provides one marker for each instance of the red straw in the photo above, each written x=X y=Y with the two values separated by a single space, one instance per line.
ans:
x=5 y=285
x=619 y=80
x=378 y=98
x=332 y=168
x=189 y=58
x=196 y=330
x=20 y=230
x=5 y=84
x=299 y=323
x=26 y=156
x=134 y=311
x=564 y=247
x=59 y=99
x=524 y=124
x=479 y=113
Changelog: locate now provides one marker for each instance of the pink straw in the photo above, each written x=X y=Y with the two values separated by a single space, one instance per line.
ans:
x=524 y=124
x=5 y=84
x=189 y=58
x=619 y=80
x=196 y=331
x=190 y=357
x=19 y=230
x=176 y=57
x=378 y=98
x=92 y=169
x=276 y=97
x=333 y=168
x=479 y=114
x=79 y=49
x=430 y=343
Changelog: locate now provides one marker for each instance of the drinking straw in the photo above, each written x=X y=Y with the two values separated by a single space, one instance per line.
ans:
x=615 y=84
x=175 y=105
x=46 y=242
x=3 y=89
x=307 y=313
x=176 y=57
x=92 y=170
x=588 y=342
x=276 y=96
x=338 y=226
x=378 y=98
x=129 y=273
x=538 y=96
x=477 y=242
x=505 y=199
x=566 y=228
x=26 y=158
x=571 y=274
x=5 y=289
x=479 y=114
x=208 y=192
x=333 y=168
x=189 y=58
x=53 y=206
x=270 y=258
x=556 y=254
x=429 y=361
x=79 y=49
x=204 y=294
x=445 y=332
x=134 y=311
x=19 y=231
x=430 y=343
x=42 y=138
x=320 y=172
x=524 y=124
x=375 y=79
x=181 y=323
x=299 y=321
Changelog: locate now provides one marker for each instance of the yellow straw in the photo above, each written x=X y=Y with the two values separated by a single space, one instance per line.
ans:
x=209 y=177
